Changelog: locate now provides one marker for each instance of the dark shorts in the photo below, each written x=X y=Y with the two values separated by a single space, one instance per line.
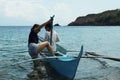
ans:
x=32 y=48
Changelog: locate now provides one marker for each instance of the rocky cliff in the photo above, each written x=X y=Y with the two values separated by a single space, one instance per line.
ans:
x=107 y=18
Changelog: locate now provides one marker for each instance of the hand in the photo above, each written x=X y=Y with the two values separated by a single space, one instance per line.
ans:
x=42 y=54
x=52 y=17
x=50 y=20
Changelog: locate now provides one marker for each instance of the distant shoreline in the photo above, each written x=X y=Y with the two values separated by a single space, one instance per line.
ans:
x=106 y=18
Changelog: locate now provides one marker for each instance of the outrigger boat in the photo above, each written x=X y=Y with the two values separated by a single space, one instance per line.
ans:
x=65 y=65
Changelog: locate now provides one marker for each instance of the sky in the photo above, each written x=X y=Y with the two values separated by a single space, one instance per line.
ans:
x=29 y=12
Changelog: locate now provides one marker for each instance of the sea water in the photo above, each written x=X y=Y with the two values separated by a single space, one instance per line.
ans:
x=104 y=40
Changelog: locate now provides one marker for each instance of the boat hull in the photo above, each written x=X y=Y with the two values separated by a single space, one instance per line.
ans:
x=66 y=66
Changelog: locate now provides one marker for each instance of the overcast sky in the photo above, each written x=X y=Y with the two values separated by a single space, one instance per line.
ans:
x=28 y=12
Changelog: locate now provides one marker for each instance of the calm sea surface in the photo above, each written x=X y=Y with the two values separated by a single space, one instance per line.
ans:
x=102 y=40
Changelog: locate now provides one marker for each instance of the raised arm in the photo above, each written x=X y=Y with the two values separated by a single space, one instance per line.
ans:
x=39 y=26
x=43 y=24
x=49 y=21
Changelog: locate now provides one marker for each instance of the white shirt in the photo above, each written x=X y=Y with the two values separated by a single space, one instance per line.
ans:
x=55 y=38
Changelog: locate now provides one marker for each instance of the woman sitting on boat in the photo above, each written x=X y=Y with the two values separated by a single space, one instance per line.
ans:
x=34 y=46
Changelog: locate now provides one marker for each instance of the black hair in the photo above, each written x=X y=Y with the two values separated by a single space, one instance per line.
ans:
x=35 y=25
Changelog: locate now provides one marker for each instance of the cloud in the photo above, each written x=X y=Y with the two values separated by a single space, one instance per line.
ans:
x=34 y=11
x=64 y=12
x=20 y=9
x=29 y=10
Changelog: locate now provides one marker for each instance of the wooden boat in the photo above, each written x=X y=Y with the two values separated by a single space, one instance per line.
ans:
x=65 y=65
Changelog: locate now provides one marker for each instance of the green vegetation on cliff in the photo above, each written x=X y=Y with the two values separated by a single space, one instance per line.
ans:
x=107 y=18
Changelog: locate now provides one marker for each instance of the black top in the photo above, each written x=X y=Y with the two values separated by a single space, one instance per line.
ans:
x=33 y=37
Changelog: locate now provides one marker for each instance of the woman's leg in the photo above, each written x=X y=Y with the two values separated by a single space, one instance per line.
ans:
x=36 y=63
x=42 y=45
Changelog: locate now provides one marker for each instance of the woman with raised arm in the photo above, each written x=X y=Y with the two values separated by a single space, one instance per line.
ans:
x=34 y=46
